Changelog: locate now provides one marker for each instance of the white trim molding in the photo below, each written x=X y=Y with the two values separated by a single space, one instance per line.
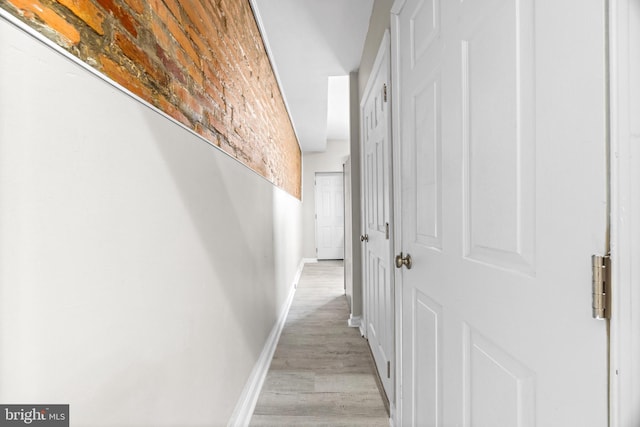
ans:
x=241 y=416
x=396 y=150
x=624 y=68
x=354 y=321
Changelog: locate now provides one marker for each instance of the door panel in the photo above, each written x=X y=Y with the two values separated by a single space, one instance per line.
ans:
x=498 y=137
x=493 y=379
x=426 y=325
x=428 y=165
x=502 y=183
x=379 y=293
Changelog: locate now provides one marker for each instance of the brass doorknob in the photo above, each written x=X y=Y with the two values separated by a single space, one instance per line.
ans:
x=403 y=260
x=364 y=238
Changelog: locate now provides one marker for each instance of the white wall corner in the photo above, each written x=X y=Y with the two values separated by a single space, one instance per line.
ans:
x=242 y=413
x=354 y=321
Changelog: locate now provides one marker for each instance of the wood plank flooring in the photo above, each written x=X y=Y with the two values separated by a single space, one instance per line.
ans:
x=322 y=373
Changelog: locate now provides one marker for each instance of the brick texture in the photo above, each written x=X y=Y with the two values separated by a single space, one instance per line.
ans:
x=202 y=62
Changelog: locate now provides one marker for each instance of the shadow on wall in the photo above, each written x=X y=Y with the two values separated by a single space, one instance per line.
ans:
x=231 y=216
x=247 y=230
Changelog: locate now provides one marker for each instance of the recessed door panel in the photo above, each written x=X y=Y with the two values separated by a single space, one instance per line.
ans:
x=499 y=150
x=500 y=390
x=424 y=28
x=426 y=361
x=428 y=168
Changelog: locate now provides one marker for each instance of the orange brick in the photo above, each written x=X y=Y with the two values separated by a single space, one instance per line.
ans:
x=123 y=17
x=86 y=11
x=214 y=117
x=174 y=7
x=206 y=133
x=198 y=16
x=195 y=74
x=160 y=33
x=122 y=76
x=205 y=58
x=215 y=95
x=183 y=41
x=159 y=8
x=173 y=111
x=140 y=58
x=50 y=18
x=187 y=100
x=203 y=47
x=136 y=5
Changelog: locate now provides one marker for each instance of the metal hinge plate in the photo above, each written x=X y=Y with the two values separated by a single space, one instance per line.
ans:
x=384 y=92
x=386 y=230
x=601 y=286
x=388 y=369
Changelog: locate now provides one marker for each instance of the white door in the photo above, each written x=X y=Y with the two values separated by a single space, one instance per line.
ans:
x=502 y=145
x=330 y=215
x=379 y=293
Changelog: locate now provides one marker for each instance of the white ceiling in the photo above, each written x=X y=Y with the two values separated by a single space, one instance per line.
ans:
x=310 y=41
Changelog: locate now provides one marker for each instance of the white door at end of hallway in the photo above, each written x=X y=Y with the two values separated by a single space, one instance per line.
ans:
x=329 y=215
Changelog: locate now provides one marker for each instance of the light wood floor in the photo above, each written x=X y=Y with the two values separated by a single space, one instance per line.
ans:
x=322 y=373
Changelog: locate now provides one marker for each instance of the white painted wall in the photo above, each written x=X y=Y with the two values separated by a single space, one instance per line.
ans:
x=330 y=160
x=141 y=269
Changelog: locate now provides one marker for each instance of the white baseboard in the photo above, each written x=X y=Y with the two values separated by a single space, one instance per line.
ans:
x=243 y=411
x=309 y=260
x=296 y=279
x=392 y=418
x=354 y=321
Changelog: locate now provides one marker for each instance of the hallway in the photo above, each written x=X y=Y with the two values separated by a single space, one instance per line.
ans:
x=322 y=373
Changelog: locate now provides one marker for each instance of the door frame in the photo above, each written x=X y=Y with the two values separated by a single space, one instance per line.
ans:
x=624 y=163
x=396 y=154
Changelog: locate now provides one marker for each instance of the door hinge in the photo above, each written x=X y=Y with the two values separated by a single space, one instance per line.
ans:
x=388 y=369
x=601 y=286
x=384 y=92
x=386 y=232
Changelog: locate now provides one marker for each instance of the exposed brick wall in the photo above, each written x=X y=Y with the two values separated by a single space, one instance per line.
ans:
x=200 y=61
